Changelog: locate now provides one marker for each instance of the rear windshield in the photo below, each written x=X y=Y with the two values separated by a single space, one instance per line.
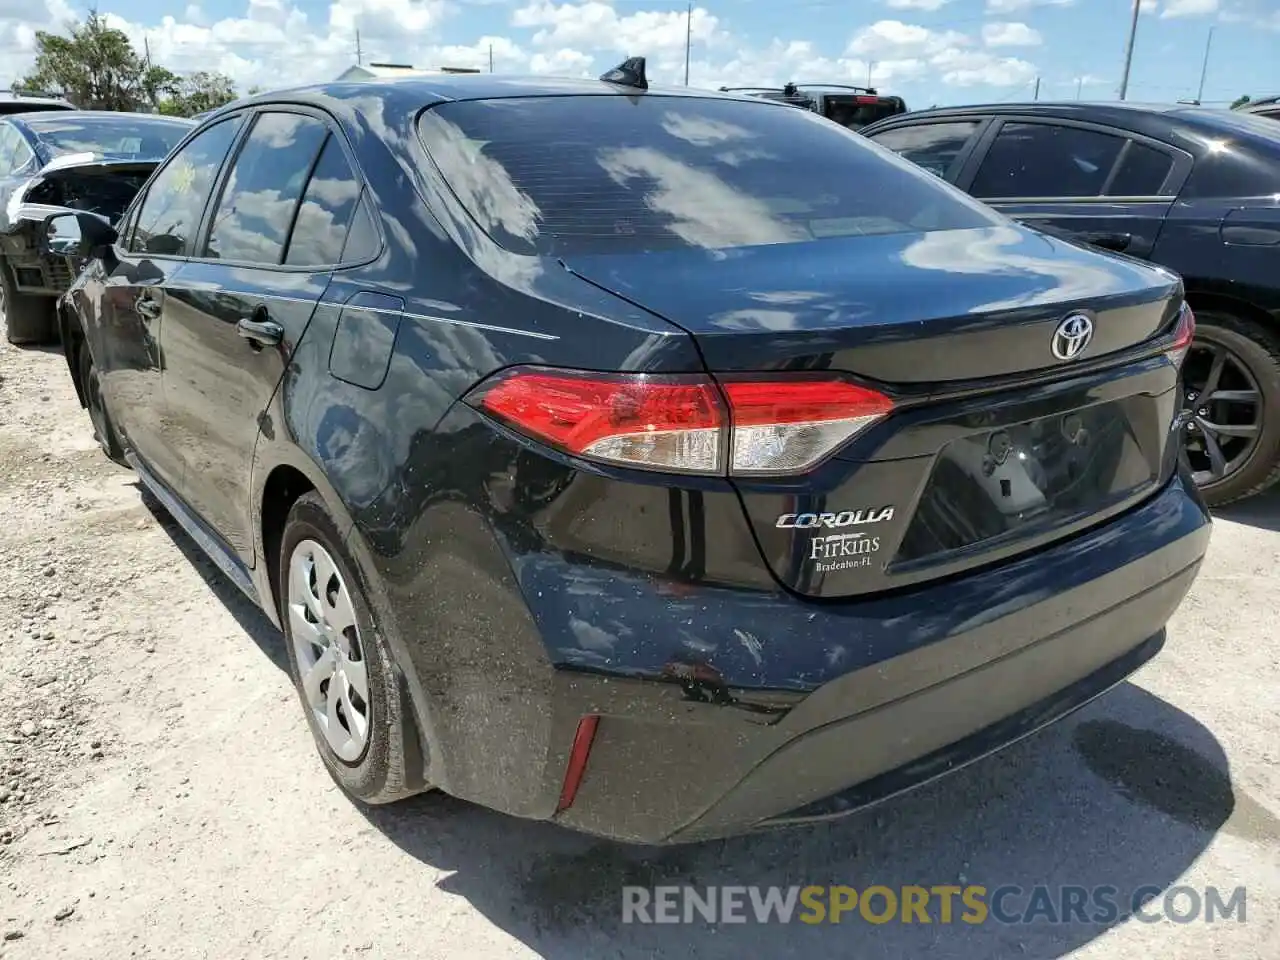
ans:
x=614 y=174
x=117 y=137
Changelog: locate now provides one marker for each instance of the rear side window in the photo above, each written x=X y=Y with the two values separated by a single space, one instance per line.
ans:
x=170 y=214
x=324 y=216
x=363 y=240
x=613 y=174
x=1142 y=172
x=253 y=216
x=1046 y=160
x=933 y=146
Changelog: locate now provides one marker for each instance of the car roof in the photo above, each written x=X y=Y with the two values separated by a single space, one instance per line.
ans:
x=1153 y=119
x=413 y=93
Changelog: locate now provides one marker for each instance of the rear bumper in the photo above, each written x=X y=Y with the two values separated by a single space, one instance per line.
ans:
x=777 y=710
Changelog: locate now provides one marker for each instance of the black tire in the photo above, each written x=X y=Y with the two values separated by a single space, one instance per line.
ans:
x=103 y=431
x=1257 y=347
x=28 y=318
x=378 y=775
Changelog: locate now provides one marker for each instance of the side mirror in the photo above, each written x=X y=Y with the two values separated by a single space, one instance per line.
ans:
x=77 y=234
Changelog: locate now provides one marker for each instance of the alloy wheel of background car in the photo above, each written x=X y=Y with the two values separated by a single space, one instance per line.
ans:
x=330 y=656
x=1230 y=380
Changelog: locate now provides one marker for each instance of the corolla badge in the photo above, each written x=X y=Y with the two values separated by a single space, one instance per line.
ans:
x=1072 y=336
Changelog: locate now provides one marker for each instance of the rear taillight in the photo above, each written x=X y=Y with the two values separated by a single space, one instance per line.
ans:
x=683 y=424
x=661 y=423
x=786 y=426
x=1183 y=334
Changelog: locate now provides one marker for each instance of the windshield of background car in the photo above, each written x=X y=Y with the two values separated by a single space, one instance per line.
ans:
x=614 y=174
x=111 y=137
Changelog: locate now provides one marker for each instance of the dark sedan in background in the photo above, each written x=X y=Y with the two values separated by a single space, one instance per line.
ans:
x=606 y=459
x=1194 y=189
x=50 y=161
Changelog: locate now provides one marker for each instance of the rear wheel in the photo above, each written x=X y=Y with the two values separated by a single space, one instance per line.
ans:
x=28 y=318
x=1231 y=406
x=103 y=431
x=340 y=666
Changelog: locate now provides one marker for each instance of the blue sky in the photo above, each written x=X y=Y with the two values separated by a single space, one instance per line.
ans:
x=928 y=51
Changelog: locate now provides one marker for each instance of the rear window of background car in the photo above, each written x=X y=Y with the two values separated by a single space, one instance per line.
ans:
x=615 y=174
x=933 y=146
x=1046 y=160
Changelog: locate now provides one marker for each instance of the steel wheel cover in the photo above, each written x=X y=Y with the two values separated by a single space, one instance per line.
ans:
x=327 y=645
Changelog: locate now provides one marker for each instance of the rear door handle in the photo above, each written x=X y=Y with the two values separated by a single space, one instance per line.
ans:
x=265 y=333
x=1109 y=241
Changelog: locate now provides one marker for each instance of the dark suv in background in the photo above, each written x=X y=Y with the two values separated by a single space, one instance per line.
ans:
x=849 y=106
x=1191 y=188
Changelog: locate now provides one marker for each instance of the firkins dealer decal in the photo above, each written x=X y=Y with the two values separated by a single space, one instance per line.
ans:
x=842 y=551
x=838 y=551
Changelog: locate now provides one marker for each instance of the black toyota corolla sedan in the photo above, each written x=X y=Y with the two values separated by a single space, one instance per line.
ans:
x=1191 y=188
x=662 y=463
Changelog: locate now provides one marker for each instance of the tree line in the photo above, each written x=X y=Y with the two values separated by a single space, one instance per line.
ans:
x=97 y=68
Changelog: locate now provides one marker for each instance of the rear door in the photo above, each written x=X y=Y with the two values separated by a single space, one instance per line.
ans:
x=269 y=245
x=1078 y=181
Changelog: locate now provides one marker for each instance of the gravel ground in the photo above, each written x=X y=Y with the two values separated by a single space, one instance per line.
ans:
x=159 y=796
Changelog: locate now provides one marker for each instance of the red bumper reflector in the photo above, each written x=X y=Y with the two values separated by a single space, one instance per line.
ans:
x=582 y=740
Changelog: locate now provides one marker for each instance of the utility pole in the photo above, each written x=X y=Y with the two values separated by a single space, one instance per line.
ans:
x=1204 y=69
x=1079 y=86
x=870 y=66
x=1128 y=48
x=688 y=39
x=491 y=58
x=1036 y=95
x=359 y=52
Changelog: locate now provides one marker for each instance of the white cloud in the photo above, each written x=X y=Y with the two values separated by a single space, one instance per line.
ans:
x=1010 y=35
x=1188 y=8
x=888 y=39
x=598 y=25
x=969 y=68
x=928 y=5
x=947 y=55
x=565 y=62
x=1012 y=6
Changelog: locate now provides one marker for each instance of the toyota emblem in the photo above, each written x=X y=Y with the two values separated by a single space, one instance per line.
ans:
x=1072 y=336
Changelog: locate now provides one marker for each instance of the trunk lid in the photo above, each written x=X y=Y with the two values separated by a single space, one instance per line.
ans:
x=997 y=445
x=907 y=309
